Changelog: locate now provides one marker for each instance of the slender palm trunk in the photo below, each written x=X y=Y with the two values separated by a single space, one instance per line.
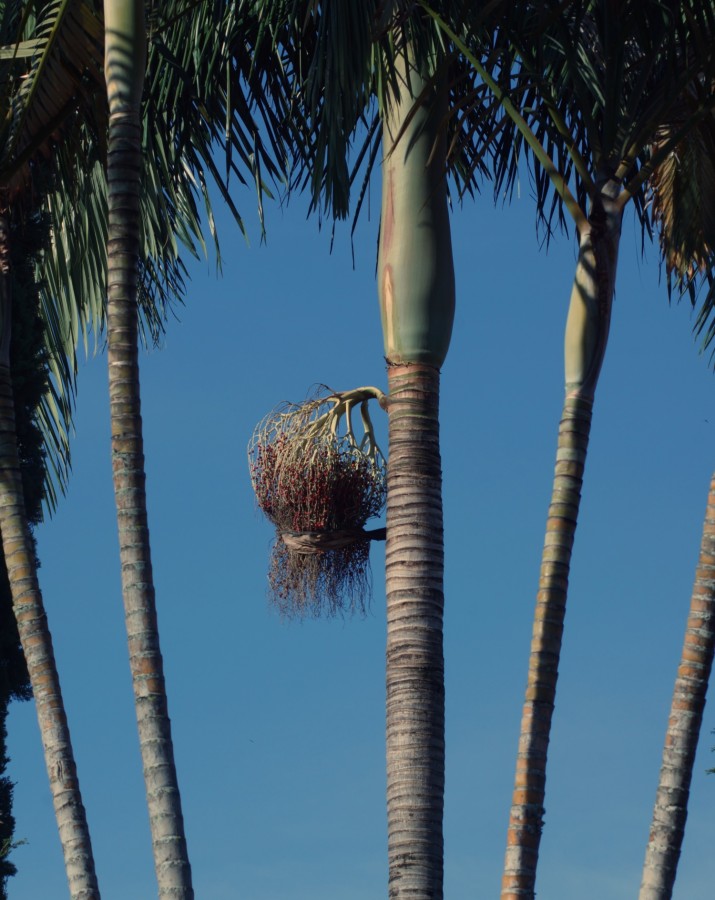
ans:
x=586 y=337
x=686 y=716
x=415 y=662
x=416 y=286
x=125 y=59
x=32 y=624
x=527 y=810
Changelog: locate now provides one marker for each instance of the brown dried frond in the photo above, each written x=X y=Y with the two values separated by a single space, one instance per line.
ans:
x=683 y=186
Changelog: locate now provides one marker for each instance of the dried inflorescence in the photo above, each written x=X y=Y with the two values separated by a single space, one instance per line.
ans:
x=319 y=486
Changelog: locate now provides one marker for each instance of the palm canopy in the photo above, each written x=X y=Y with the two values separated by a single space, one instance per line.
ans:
x=38 y=96
x=53 y=151
x=593 y=84
x=583 y=85
x=340 y=75
x=598 y=91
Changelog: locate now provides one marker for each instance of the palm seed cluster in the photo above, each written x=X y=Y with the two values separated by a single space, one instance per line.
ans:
x=318 y=486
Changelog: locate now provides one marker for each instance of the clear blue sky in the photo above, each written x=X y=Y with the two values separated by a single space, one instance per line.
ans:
x=279 y=728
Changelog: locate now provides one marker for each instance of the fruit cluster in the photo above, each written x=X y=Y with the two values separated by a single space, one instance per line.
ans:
x=312 y=480
x=324 y=486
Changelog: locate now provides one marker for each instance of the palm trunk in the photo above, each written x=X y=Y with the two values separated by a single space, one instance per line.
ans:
x=586 y=338
x=415 y=662
x=416 y=285
x=32 y=625
x=527 y=810
x=686 y=715
x=125 y=59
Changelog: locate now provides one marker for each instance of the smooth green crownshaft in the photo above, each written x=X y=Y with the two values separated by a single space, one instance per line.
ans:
x=415 y=267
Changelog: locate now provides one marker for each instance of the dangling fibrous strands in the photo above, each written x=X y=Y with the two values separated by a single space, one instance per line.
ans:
x=318 y=483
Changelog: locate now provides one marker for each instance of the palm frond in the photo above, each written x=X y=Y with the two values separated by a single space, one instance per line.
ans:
x=206 y=92
x=58 y=58
x=338 y=73
x=67 y=64
x=683 y=201
x=592 y=86
x=682 y=205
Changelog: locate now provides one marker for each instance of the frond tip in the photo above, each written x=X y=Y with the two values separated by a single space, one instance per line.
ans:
x=319 y=484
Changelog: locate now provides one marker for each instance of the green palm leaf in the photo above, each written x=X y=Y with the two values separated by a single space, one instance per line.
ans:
x=202 y=95
x=68 y=38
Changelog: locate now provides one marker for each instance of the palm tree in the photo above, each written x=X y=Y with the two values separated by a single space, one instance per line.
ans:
x=416 y=288
x=383 y=67
x=686 y=715
x=54 y=152
x=125 y=60
x=29 y=365
x=51 y=70
x=40 y=90
x=684 y=191
x=31 y=619
x=187 y=105
x=587 y=92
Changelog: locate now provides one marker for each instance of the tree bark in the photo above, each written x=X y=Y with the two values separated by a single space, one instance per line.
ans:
x=686 y=716
x=125 y=56
x=527 y=811
x=415 y=663
x=587 y=329
x=32 y=625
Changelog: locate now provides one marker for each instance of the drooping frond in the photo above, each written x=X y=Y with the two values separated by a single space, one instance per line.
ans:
x=49 y=64
x=60 y=49
x=683 y=210
x=328 y=53
x=591 y=82
x=30 y=363
x=198 y=100
x=206 y=94
x=338 y=60
x=683 y=186
x=210 y=94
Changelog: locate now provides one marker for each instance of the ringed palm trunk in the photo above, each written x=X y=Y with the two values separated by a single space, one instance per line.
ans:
x=585 y=344
x=32 y=623
x=686 y=716
x=125 y=54
x=416 y=289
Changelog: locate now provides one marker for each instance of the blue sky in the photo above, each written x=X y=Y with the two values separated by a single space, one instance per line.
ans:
x=279 y=727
